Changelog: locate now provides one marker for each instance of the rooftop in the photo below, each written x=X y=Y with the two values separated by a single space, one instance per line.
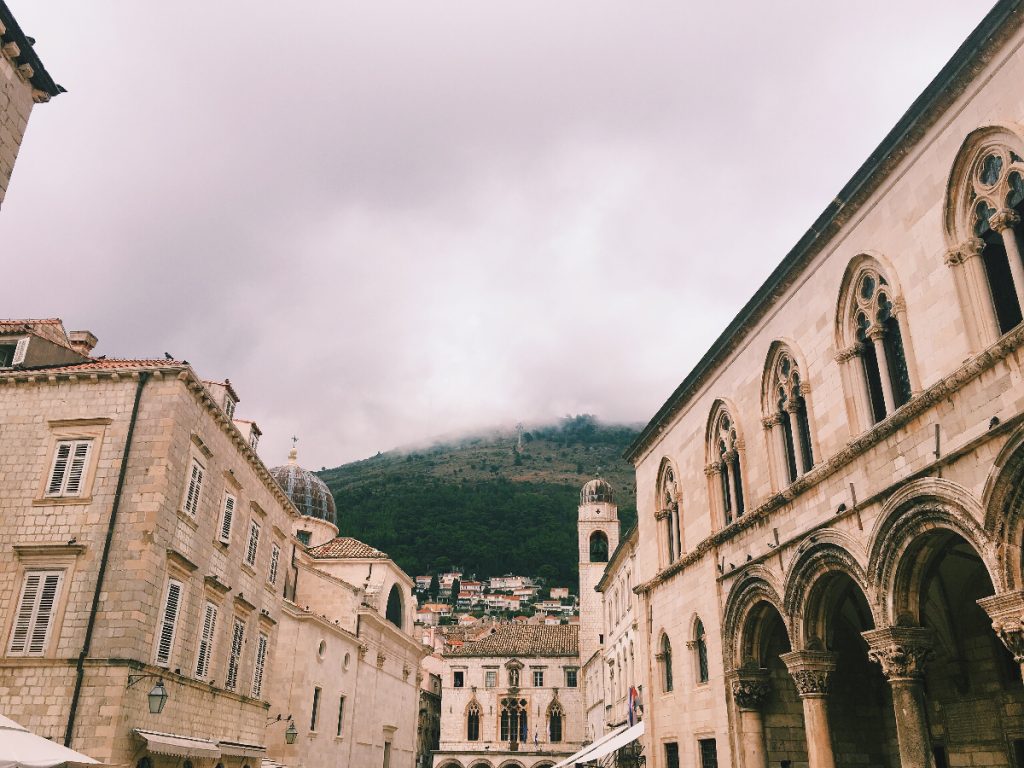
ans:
x=345 y=547
x=523 y=640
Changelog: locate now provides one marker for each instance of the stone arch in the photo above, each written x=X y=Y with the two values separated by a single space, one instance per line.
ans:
x=599 y=547
x=482 y=764
x=751 y=592
x=725 y=454
x=819 y=558
x=895 y=563
x=1003 y=503
x=511 y=764
x=452 y=764
x=396 y=607
x=786 y=412
x=667 y=512
x=845 y=302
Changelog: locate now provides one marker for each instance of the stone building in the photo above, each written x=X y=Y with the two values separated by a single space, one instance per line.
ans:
x=24 y=82
x=511 y=699
x=143 y=547
x=830 y=522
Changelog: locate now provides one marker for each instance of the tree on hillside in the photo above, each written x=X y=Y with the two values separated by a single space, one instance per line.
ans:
x=434 y=588
x=456 y=586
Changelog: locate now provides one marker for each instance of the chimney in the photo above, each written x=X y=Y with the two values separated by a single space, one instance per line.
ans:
x=83 y=342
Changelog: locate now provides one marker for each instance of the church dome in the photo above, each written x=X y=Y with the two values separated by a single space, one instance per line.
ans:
x=596 y=490
x=308 y=492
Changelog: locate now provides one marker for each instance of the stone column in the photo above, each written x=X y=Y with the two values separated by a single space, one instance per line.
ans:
x=811 y=671
x=794 y=425
x=664 y=547
x=877 y=336
x=713 y=472
x=773 y=425
x=750 y=688
x=1003 y=222
x=857 y=381
x=903 y=652
x=979 y=294
x=1007 y=614
x=731 y=458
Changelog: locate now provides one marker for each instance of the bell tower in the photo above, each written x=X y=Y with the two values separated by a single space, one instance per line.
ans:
x=598 y=529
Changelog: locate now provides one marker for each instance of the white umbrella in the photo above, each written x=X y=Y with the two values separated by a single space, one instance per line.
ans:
x=21 y=749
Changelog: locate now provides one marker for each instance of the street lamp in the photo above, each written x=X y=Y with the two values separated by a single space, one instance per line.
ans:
x=290 y=733
x=157 y=697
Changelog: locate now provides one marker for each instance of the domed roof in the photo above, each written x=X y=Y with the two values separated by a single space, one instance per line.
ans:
x=596 y=490
x=307 y=491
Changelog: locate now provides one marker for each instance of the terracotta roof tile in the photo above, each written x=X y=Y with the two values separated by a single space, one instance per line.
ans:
x=524 y=640
x=101 y=365
x=343 y=547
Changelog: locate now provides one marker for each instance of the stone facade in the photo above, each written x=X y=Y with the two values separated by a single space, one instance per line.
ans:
x=829 y=534
x=23 y=82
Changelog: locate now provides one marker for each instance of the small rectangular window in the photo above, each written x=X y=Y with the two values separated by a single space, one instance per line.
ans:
x=209 y=630
x=458 y=679
x=570 y=678
x=671 y=754
x=13 y=354
x=315 y=714
x=254 y=542
x=708 y=753
x=490 y=678
x=275 y=557
x=168 y=623
x=341 y=714
x=70 y=460
x=229 y=406
x=235 y=655
x=194 y=489
x=258 y=668
x=227 y=515
x=34 y=617
x=538 y=678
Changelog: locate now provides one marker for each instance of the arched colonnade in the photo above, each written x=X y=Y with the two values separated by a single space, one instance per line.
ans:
x=905 y=652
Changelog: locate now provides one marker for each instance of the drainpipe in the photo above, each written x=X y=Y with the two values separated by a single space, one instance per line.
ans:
x=80 y=666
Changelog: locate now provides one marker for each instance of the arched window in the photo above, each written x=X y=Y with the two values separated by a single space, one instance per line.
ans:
x=555 y=721
x=664 y=657
x=473 y=722
x=725 y=467
x=699 y=644
x=598 y=547
x=668 y=512
x=785 y=407
x=513 y=724
x=394 y=610
x=983 y=215
x=873 y=323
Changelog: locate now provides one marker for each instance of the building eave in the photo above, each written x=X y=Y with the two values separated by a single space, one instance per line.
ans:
x=42 y=83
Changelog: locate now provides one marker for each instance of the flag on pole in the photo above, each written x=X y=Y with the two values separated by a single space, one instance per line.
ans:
x=631 y=706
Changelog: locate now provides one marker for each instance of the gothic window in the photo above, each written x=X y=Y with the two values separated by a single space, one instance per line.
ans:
x=785 y=406
x=394 y=609
x=513 y=725
x=700 y=651
x=555 y=722
x=664 y=657
x=598 y=547
x=725 y=464
x=668 y=512
x=473 y=722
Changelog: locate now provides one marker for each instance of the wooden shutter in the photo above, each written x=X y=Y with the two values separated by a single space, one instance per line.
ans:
x=76 y=469
x=206 y=641
x=225 y=523
x=60 y=467
x=195 y=487
x=254 y=543
x=275 y=556
x=261 y=660
x=168 y=623
x=34 y=615
x=237 y=637
x=19 y=351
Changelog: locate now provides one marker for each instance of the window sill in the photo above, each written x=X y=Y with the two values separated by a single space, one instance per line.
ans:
x=60 y=501
x=186 y=518
x=248 y=569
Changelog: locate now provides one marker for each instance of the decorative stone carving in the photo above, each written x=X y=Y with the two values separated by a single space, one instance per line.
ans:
x=953 y=257
x=714 y=468
x=750 y=687
x=661 y=514
x=406 y=671
x=363 y=648
x=901 y=651
x=845 y=355
x=1007 y=614
x=381 y=658
x=1004 y=219
x=811 y=671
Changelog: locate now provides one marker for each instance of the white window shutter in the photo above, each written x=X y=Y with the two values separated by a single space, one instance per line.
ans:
x=237 y=638
x=76 y=470
x=44 y=614
x=225 y=523
x=206 y=641
x=26 y=608
x=61 y=459
x=34 y=616
x=195 y=488
x=168 y=623
x=19 y=351
x=275 y=556
x=254 y=543
x=261 y=660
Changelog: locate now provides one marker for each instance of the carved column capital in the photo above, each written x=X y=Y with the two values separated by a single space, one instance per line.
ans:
x=876 y=332
x=750 y=687
x=811 y=671
x=768 y=422
x=953 y=257
x=730 y=456
x=381 y=658
x=899 y=305
x=845 y=355
x=714 y=468
x=661 y=514
x=1007 y=613
x=901 y=651
x=1004 y=219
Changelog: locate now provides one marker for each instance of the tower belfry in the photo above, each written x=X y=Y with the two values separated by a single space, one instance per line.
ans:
x=598 y=529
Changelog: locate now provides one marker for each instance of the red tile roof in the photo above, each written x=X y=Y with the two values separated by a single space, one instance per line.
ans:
x=101 y=365
x=345 y=547
x=524 y=640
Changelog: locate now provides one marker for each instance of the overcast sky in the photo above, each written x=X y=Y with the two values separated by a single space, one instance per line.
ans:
x=387 y=221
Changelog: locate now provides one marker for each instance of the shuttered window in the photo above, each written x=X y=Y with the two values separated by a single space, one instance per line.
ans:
x=34 y=617
x=254 y=543
x=275 y=557
x=195 y=488
x=206 y=641
x=237 y=639
x=70 y=460
x=20 y=349
x=168 y=623
x=261 y=660
x=227 y=515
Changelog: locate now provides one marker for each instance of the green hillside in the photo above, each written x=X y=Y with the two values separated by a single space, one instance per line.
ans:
x=478 y=503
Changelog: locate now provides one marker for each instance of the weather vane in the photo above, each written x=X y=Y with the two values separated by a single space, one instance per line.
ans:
x=294 y=440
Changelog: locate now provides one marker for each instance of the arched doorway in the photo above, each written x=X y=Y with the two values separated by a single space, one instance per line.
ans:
x=395 y=609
